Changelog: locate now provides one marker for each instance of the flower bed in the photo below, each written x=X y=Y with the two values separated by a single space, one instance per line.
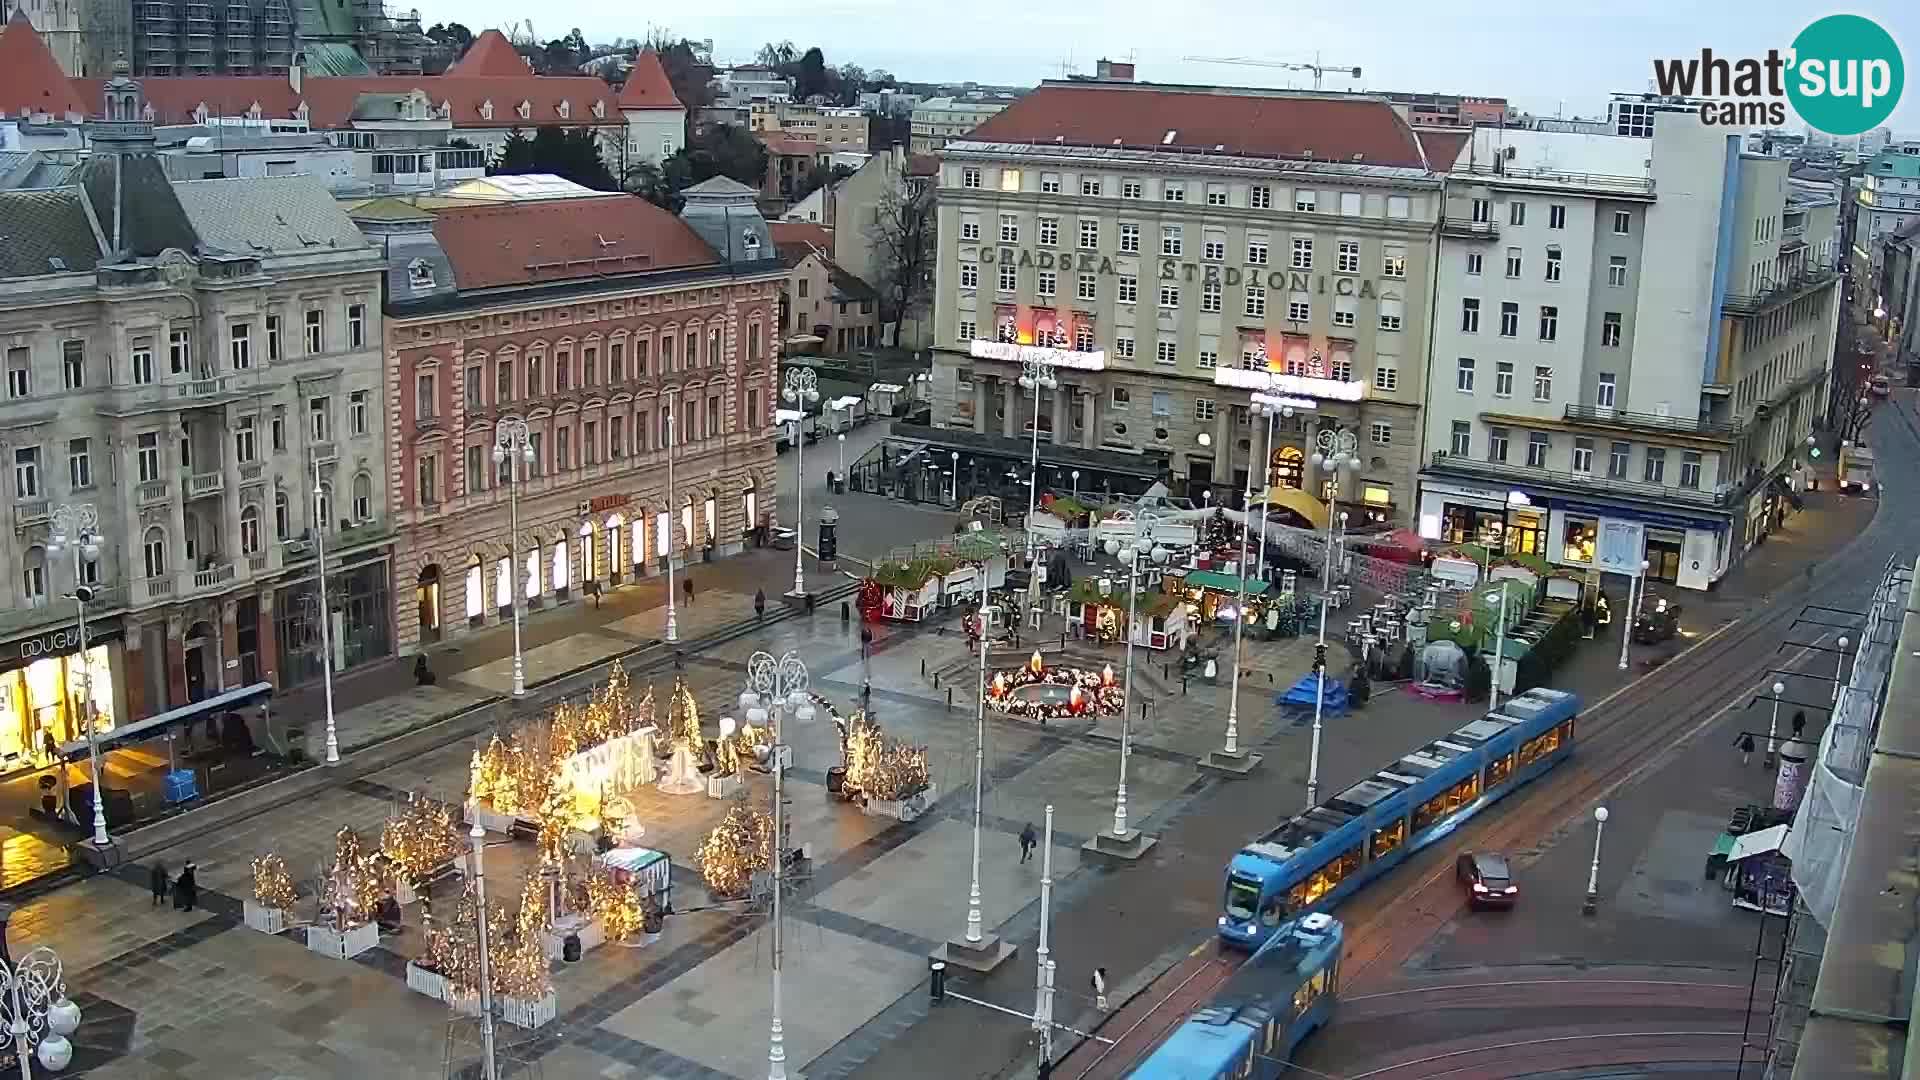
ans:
x=267 y=920
x=422 y=981
x=906 y=809
x=340 y=945
x=724 y=787
x=526 y=1014
x=592 y=935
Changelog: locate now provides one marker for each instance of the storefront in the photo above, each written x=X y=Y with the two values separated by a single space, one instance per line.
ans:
x=43 y=689
x=361 y=627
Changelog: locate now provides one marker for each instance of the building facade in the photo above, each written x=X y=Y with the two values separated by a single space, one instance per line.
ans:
x=939 y=120
x=188 y=359
x=1451 y=110
x=1889 y=204
x=591 y=321
x=1172 y=250
x=1631 y=342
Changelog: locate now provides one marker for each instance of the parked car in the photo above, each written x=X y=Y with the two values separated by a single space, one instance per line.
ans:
x=1658 y=624
x=1487 y=879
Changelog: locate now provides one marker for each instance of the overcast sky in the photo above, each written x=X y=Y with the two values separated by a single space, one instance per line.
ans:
x=1542 y=60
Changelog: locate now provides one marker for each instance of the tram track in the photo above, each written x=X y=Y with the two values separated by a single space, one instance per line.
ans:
x=1562 y=1050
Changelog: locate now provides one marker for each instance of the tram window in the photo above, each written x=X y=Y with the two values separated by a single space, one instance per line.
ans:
x=1385 y=840
x=1499 y=769
x=1270 y=915
x=1242 y=898
x=1539 y=746
x=1324 y=880
x=1273 y=1034
x=1447 y=802
x=1309 y=992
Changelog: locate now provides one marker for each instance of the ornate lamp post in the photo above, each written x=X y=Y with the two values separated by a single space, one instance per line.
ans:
x=1034 y=377
x=1273 y=408
x=1592 y=902
x=489 y=1068
x=773 y=687
x=1773 y=725
x=76 y=527
x=513 y=447
x=34 y=1004
x=673 y=516
x=1319 y=692
x=1130 y=555
x=802 y=389
x=1336 y=449
x=326 y=615
x=1633 y=608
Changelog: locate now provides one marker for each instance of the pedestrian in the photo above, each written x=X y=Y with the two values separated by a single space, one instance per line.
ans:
x=186 y=891
x=157 y=878
x=1746 y=748
x=1799 y=723
x=1100 y=989
x=422 y=674
x=760 y=603
x=686 y=585
x=1028 y=840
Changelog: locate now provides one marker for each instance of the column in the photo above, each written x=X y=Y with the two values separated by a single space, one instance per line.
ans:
x=176 y=659
x=1060 y=395
x=228 y=679
x=1223 y=446
x=231 y=500
x=980 y=419
x=1090 y=435
x=1009 y=425
x=133 y=675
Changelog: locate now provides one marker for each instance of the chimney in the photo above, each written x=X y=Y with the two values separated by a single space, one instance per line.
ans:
x=1111 y=71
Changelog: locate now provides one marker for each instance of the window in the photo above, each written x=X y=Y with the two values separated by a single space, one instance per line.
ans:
x=146 y=456
x=1132 y=189
x=1129 y=237
x=1690 y=468
x=1170 y=240
x=277 y=432
x=1556 y=216
x=1517 y=213
x=141 y=359
x=1347 y=261
x=969 y=178
x=1509 y=320
x=1503 y=379
x=1009 y=179
x=1385 y=376
x=1553 y=264
x=1303 y=253
x=363 y=488
x=1123 y=348
x=1203 y=409
x=179 y=351
x=316 y=331
x=1169 y=297
x=1173 y=191
x=969 y=231
x=966 y=332
x=1162 y=403
x=1166 y=352
x=1049 y=232
x=1046 y=282
x=1617 y=454
x=1129 y=289
x=19 y=372
x=1210 y=295
x=73 y=364
x=1496 y=444
x=1083 y=338
x=1542 y=382
x=1393 y=261
x=273 y=338
x=244 y=449
x=1009 y=229
x=1583 y=456
x=1299 y=308
x=1049 y=183
x=1216 y=195
x=1482 y=211
x=1392 y=313
x=356 y=326
x=1622 y=223
x=1463 y=375
x=1617 y=271
x=1513 y=262
x=1009 y=281
x=1087 y=288
x=1470 y=316
x=26 y=472
x=1610 y=330
x=1549 y=322
x=1260 y=197
x=1604 y=397
x=1462 y=439
x=319 y=422
x=1303 y=201
x=1121 y=398
x=503 y=382
x=1089 y=185
x=1256 y=302
x=1656 y=466
x=1208 y=360
x=1382 y=433
x=471 y=390
x=1214 y=249
x=357 y=406
x=1537 y=444
x=1474 y=262
x=1089 y=233
x=969 y=276
x=1343 y=311
x=1399 y=206
x=1257 y=251
x=154 y=549
x=79 y=464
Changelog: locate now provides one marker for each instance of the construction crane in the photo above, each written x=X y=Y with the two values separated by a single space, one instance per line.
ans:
x=1320 y=71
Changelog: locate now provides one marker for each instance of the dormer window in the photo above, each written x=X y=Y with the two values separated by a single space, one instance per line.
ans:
x=486 y=109
x=750 y=240
x=525 y=109
x=565 y=109
x=600 y=110
x=420 y=275
x=445 y=112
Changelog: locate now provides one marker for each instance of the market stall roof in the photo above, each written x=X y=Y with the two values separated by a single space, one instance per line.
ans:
x=1299 y=502
x=1207 y=579
x=1762 y=842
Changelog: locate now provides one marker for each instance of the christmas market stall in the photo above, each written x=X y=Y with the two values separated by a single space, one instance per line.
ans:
x=1215 y=597
x=1097 y=608
x=1062 y=691
x=904 y=592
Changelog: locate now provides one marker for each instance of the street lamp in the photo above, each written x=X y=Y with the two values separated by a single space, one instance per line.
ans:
x=802 y=389
x=326 y=616
x=1130 y=554
x=1839 y=663
x=1076 y=485
x=1273 y=409
x=774 y=686
x=956 y=476
x=76 y=526
x=1231 y=751
x=1773 y=725
x=1592 y=903
x=841 y=439
x=1633 y=608
x=1320 y=693
x=33 y=1000
x=513 y=446
x=1034 y=376
x=673 y=516
x=1336 y=449
x=974 y=937
x=489 y=1068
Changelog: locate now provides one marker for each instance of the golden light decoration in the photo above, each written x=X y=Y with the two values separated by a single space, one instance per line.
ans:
x=1035 y=663
x=516 y=772
x=737 y=848
x=422 y=838
x=683 y=718
x=272 y=883
x=354 y=885
x=1106 y=675
x=616 y=903
x=517 y=960
x=882 y=767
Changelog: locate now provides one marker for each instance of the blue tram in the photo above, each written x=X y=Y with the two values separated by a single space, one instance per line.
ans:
x=1314 y=860
x=1255 y=1021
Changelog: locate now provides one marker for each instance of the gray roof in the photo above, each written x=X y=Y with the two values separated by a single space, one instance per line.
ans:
x=151 y=219
x=720 y=185
x=45 y=232
x=281 y=215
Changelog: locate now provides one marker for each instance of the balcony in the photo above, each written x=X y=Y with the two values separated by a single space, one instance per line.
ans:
x=149 y=590
x=212 y=577
x=326 y=452
x=1468 y=229
x=188 y=393
x=31 y=512
x=152 y=493
x=200 y=485
x=252 y=474
x=1780 y=292
x=1585 y=483
x=1639 y=421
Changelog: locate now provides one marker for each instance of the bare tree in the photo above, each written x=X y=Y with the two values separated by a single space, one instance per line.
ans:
x=901 y=237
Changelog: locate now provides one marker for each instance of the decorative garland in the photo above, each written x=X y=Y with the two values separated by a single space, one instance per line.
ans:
x=1094 y=693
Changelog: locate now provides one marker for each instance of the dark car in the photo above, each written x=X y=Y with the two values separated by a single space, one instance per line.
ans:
x=1659 y=624
x=1487 y=879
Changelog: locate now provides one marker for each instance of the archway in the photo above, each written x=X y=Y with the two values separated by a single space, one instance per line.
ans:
x=426 y=594
x=476 y=590
x=588 y=551
x=614 y=524
x=201 y=655
x=1287 y=468
x=503 y=586
x=638 y=548
x=562 y=577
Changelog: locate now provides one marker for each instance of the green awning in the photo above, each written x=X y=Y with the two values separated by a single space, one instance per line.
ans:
x=1207 y=579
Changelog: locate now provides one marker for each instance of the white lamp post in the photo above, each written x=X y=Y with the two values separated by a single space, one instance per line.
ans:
x=1839 y=664
x=39 y=1016
x=1076 y=485
x=1034 y=377
x=975 y=937
x=673 y=518
x=1130 y=555
x=802 y=389
x=956 y=476
x=774 y=687
x=1336 y=449
x=1633 y=608
x=76 y=526
x=1592 y=903
x=326 y=613
x=513 y=447
x=1499 y=647
x=489 y=1068
x=1773 y=725
x=1273 y=409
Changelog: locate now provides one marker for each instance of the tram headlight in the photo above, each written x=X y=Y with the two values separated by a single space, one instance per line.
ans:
x=1223 y=922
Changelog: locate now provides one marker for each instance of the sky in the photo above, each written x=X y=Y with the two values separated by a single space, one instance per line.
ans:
x=1543 y=61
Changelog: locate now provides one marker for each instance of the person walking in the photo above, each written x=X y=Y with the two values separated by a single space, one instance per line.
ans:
x=686 y=585
x=760 y=604
x=157 y=878
x=1746 y=749
x=186 y=891
x=1799 y=723
x=1028 y=840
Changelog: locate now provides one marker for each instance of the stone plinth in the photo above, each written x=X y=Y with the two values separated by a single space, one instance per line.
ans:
x=1127 y=847
x=981 y=957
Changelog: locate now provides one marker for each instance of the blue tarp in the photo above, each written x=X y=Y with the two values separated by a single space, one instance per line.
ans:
x=1301 y=695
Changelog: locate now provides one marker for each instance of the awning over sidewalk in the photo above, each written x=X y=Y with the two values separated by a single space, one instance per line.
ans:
x=158 y=725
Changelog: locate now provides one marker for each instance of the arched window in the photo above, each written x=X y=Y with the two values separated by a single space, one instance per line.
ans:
x=750 y=501
x=282 y=515
x=154 y=549
x=503 y=583
x=476 y=589
x=686 y=519
x=561 y=577
x=712 y=513
x=250 y=530
x=533 y=572
x=713 y=347
x=323 y=507
x=33 y=576
x=362 y=497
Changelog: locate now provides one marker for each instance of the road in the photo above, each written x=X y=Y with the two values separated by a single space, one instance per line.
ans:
x=870 y=525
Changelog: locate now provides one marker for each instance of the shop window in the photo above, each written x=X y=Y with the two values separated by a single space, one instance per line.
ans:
x=1578 y=543
x=1387 y=839
x=1324 y=880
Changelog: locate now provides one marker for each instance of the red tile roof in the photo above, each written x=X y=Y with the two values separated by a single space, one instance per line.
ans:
x=793 y=147
x=795 y=240
x=30 y=78
x=491 y=54
x=923 y=165
x=1443 y=147
x=647 y=85
x=562 y=239
x=1144 y=116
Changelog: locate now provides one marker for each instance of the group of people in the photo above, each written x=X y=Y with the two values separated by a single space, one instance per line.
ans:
x=1745 y=743
x=184 y=889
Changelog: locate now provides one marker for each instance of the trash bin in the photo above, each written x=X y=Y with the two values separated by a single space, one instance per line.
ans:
x=570 y=948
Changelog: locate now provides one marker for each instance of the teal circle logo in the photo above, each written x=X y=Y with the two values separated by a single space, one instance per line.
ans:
x=1846 y=76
